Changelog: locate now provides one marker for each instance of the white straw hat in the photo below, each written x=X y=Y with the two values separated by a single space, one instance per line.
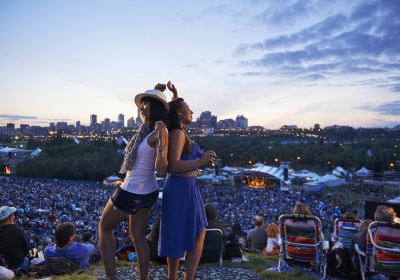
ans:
x=152 y=93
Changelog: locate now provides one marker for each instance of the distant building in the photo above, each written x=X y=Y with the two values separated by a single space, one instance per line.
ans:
x=93 y=120
x=256 y=128
x=131 y=123
x=114 y=125
x=317 y=126
x=338 y=127
x=10 y=127
x=226 y=124
x=24 y=127
x=206 y=120
x=52 y=126
x=289 y=127
x=242 y=122
x=78 y=126
x=61 y=126
x=107 y=124
x=121 y=120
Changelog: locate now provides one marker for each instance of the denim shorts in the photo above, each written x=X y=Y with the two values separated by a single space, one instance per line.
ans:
x=131 y=203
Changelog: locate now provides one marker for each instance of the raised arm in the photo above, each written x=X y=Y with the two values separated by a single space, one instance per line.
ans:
x=161 y=164
x=173 y=89
x=177 y=137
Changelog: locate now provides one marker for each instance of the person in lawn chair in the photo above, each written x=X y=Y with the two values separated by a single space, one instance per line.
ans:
x=302 y=239
x=379 y=252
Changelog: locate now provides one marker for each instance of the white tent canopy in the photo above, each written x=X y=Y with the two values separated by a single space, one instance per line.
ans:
x=36 y=152
x=363 y=172
x=339 y=171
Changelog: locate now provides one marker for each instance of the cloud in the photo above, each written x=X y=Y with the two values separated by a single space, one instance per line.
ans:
x=388 y=108
x=17 y=117
x=285 y=12
x=362 y=41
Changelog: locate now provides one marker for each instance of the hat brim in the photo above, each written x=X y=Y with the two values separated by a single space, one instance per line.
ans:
x=139 y=97
x=12 y=210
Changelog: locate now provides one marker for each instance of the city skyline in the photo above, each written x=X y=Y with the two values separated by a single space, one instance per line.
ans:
x=277 y=63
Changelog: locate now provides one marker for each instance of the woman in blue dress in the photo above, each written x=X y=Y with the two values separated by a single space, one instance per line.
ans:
x=183 y=218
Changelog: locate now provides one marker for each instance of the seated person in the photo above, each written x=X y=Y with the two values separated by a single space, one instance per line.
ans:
x=257 y=237
x=273 y=243
x=235 y=241
x=212 y=214
x=303 y=209
x=382 y=214
x=14 y=244
x=66 y=247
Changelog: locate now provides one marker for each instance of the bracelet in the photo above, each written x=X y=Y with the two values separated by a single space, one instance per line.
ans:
x=161 y=150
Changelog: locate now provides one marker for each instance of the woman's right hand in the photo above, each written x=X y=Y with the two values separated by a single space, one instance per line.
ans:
x=207 y=157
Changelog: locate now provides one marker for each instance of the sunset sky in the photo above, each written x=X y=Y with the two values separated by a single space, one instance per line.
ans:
x=275 y=62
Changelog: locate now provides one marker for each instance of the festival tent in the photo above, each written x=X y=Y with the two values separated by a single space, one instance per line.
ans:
x=15 y=152
x=395 y=200
x=339 y=171
x=36 y=152
x=331 y=180
x=229 y=170
x=313 y=186
x=305 y=174
x=113 y=180
x=363 y=172
x=271 y=170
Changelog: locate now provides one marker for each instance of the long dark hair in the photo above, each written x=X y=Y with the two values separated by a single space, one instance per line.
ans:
x=173 y=122
x=157 y=111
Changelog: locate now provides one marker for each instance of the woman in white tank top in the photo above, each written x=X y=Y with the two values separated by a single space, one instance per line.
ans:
x=145 y=153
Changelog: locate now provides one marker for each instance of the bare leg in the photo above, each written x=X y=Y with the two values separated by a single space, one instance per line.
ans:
x=193 y=258
x=110 y=218
x=137 y=228
x=173 y=265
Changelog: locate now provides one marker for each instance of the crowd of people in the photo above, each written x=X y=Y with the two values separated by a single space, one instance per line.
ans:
x=43 y=203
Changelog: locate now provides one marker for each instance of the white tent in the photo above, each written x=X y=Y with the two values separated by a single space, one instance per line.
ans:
x=271 y=170
x=113 y=180
x=36 y=152
x=313 y=186
x=395 y=200
x=305 y=174
x=363 y=172
x=331 y=181
x=339 y=171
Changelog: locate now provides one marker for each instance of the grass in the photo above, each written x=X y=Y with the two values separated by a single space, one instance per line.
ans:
x=256 y=263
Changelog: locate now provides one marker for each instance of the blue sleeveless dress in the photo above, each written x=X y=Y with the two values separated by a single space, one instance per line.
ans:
x=183 y=216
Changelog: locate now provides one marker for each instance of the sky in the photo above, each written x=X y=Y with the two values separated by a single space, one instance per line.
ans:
x=276 y=62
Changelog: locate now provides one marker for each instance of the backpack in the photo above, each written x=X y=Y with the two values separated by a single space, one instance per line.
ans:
x=339 y=264
x=53 y=266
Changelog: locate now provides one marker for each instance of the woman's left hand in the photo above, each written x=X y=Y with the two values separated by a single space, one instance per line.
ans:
x=161 y=134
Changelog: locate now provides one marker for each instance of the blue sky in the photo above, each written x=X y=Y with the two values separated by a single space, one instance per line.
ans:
x=276 y=62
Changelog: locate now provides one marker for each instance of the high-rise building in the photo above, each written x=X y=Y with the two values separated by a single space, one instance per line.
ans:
x=107 y=124
x=78 y=126
x=227 y=123
x=121 y=120
x=207 y=120
x=23 y=127
x=61 y=126
x=93 y=120
x=242 y=121
x=10 y=127
x=131 y=122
